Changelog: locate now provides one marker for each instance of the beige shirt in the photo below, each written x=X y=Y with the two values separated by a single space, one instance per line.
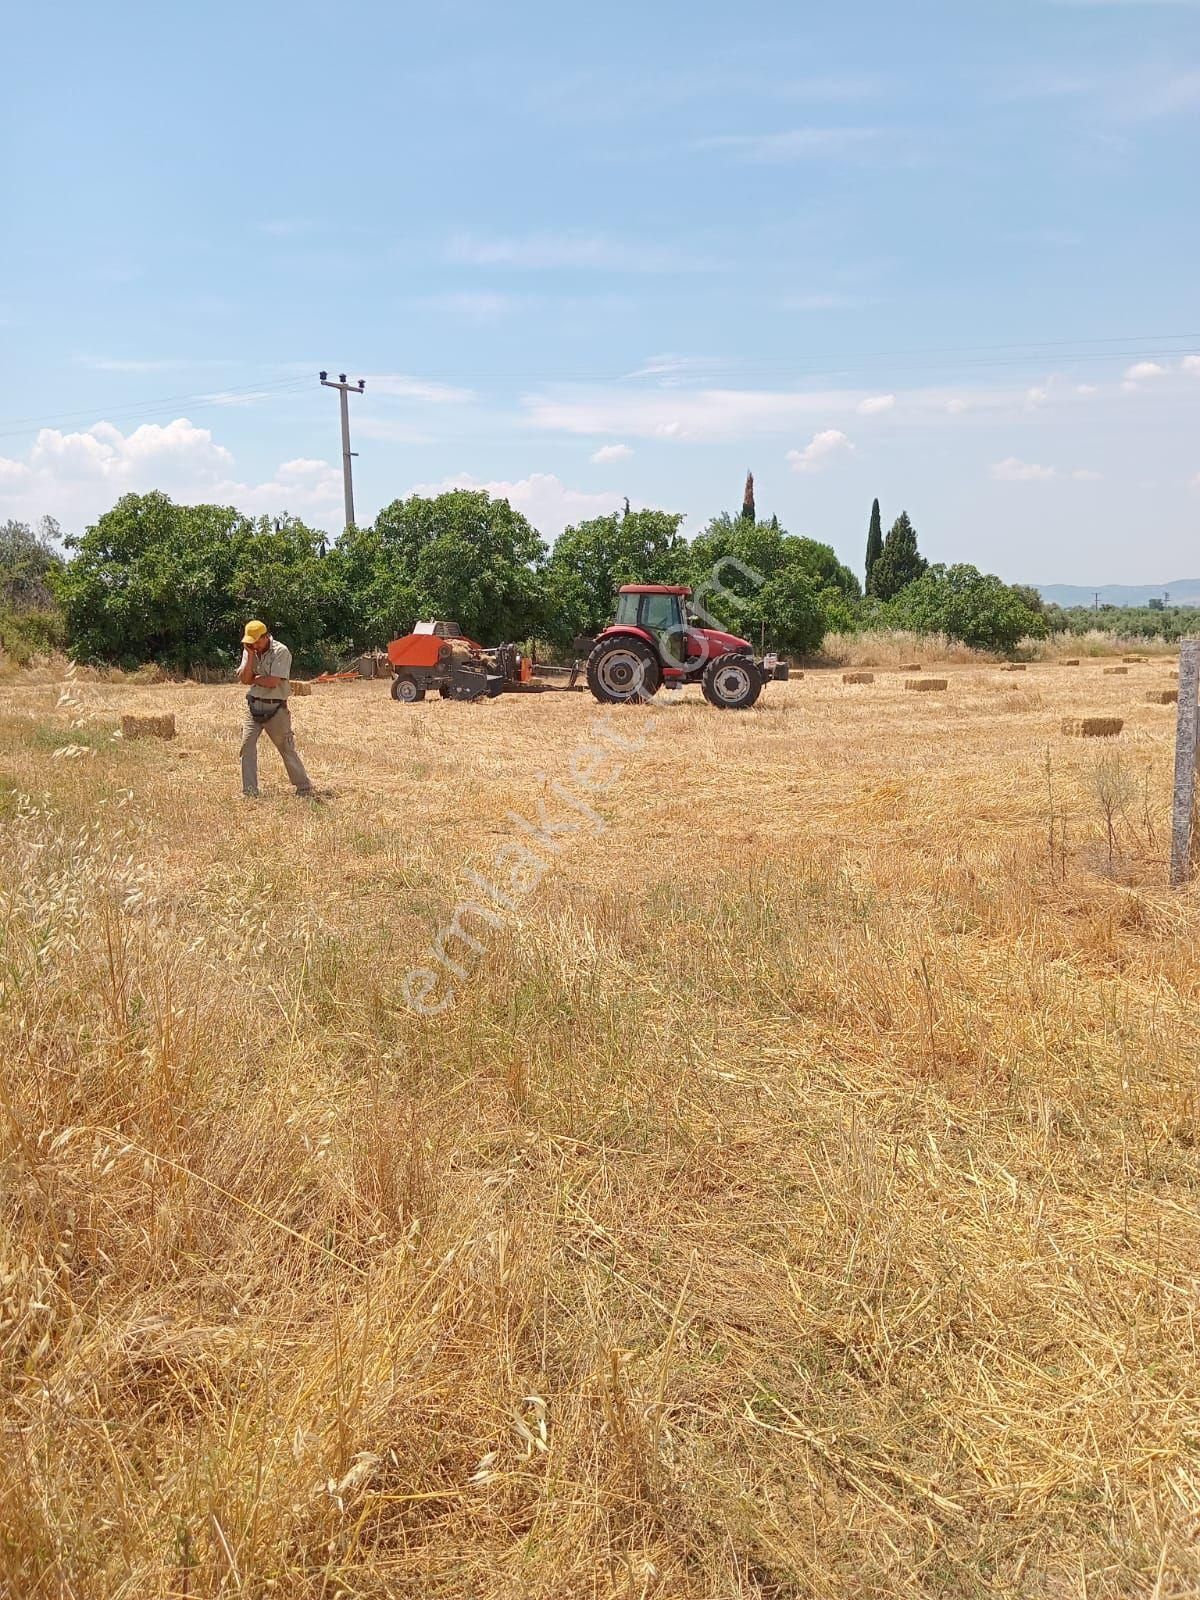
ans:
x=275 y=662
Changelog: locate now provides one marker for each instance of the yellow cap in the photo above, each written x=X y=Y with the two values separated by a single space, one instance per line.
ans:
x=254 y=632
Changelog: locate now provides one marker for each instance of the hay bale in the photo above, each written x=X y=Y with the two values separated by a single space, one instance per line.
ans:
x=1115 y=672
x=1069 y=661
x=858 y=677
x=1093 y=727
x=1162 y=697
x=910 y=666
x=1013 y=666
x=1135 y=659
x=924 y=685
x=300 y=687
x=148 y=727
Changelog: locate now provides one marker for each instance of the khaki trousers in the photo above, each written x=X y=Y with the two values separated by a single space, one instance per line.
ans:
x=279 y=731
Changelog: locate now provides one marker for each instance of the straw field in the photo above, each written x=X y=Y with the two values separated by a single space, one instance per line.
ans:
x=785 y=1186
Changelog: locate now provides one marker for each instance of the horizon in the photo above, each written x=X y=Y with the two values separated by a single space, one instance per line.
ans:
x=939 y=258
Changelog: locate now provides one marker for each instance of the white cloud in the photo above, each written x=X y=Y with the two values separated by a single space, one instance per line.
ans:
x=669 y=366
x=795 y=144
x=1141 y=370
x=612 y=452
x=286 y=227
x=548 y=503
x=1086 y=389
x=1012 y=470
x=1086 y=475
x=874 y=404
x=403 y=387
x=818 y=452
x=302 y=486
x=390 y=430
x=830 y=301
x=77 y=476
x=106 y=364
x=547 y=252
x=711 y=414
x=474 y=305
x=1190 y=364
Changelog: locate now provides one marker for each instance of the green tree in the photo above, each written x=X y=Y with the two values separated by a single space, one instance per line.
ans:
x=27 y=559
x=30 y=621
x=900 y=562
x=460 y=557
x=156 y=581
x=759 y=580
x=748 y=512
x=874 y=547
x=593 y=558
x=977 y=608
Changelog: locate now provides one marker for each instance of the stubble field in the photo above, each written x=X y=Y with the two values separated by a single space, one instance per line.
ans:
x=786 y=1185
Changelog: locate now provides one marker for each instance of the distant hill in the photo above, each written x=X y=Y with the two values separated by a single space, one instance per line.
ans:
x=1183 y=592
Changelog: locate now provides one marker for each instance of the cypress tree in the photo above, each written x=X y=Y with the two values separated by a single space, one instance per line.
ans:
x=900 y=563
x=874 y=547
x=748 y=512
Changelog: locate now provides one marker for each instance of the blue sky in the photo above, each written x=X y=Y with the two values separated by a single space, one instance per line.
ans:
x=945 y=254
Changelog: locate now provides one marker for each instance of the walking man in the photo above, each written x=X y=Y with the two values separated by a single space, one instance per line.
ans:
x=265 y=669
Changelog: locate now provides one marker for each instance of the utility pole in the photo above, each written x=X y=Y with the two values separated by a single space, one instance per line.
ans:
x=345 y=389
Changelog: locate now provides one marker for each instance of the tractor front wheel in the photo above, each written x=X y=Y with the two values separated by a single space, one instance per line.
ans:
x=621 y=669
x=406 y=689
x=732 y=683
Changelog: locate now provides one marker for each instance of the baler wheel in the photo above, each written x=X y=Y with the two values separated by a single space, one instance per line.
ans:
x=406 y=689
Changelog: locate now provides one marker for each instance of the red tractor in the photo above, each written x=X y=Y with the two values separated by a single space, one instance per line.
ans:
x=652 y=640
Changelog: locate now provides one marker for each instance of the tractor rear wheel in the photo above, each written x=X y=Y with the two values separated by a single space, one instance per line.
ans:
x=732 y=683
x=406 y=689
x=621 y=669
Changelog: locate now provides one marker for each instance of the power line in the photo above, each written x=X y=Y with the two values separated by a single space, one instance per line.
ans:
x=270 y=388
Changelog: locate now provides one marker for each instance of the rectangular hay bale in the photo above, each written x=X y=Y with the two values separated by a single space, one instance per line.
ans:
x=858 y=677
x=299 y=686
x=1115 y=672
x=1013 y=666
x=923 y=685
x=1069 y=661
x=148 y=727
x=1162 y=697
x=1093 y=727
x=910 y=666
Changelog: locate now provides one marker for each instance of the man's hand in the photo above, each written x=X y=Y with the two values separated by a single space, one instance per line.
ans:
x=245 y=671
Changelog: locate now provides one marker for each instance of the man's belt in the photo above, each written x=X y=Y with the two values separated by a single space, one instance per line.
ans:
x=262 y=710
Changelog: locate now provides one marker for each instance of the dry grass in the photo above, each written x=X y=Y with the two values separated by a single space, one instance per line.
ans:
x=799 y=1200
x=895 y=650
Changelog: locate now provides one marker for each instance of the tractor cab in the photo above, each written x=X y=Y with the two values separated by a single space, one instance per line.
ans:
x=660 y=613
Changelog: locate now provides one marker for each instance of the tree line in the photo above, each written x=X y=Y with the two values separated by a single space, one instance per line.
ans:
x=151 y=580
